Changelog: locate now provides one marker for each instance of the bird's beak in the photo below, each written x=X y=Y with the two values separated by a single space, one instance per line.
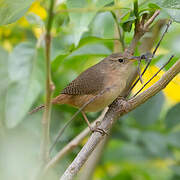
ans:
x=142 y=57
x=135 y=58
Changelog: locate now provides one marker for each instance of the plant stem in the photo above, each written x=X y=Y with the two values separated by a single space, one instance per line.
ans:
x=136 y=10
x=50 y=17
x=49 y=86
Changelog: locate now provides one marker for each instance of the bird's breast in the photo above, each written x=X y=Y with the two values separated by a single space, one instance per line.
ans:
x=111 y=91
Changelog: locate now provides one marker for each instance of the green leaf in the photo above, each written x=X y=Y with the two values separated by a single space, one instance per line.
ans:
x=34 y=19
x=82 y=52
x=174 y=139
x=127 y=21
x=155 y=143
x=127 y=151
x=172 y=8
x=173 y=4
x=127 y=134
x=61 y=45
x=12 y=10
x=127 y=26
x=176 y=170
x=3 y=82
x=81 y=20
x=153 y=6
x=100 y=26
x=3 y=70
x=173 y=116
x=148 y=113
x=25 y=69
x=173 y=13
x=93 y=39
x=91 y=49
x=128 y=16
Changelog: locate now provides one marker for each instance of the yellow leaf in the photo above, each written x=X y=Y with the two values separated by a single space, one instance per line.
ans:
x=163 y=163
x=5 y=31
x=162 y=51
x=37 y=9
x=149 y=73
x=172 y=91
x=7 y=45
x=37 y=31
x=23 y=22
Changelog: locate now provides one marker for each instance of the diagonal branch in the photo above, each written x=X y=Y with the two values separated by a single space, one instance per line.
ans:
x=116 y=110
x=72 y=144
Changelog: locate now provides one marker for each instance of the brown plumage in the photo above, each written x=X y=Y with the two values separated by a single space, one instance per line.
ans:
x=114 y=71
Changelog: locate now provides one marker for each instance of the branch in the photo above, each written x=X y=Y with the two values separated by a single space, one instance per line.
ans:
x=117 y=109
x=140 y=30
x=89 y=167
x=72 y=144
x=49 y=86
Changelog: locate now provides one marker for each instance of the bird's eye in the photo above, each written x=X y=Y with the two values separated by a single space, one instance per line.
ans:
x=121 y=60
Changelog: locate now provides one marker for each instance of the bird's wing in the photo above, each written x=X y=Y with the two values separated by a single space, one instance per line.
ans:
x=88 y=82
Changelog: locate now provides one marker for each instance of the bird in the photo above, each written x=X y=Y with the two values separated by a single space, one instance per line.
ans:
x=114 y=75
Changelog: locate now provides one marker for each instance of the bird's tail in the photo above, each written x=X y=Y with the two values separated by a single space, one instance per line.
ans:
x=36 y=109
x=61 y=99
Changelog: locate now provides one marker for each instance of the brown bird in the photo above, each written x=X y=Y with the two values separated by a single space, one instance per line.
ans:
x=115 y=73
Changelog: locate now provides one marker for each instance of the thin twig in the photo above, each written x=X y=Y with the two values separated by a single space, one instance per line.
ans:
x=158 y=44
x=77 y=112
x=117 y=109
x=149 y=22
x=153 y=76
x=150 y=58
x=139 y=71
x=47 y=111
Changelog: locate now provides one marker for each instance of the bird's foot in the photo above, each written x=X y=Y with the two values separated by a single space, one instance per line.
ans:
x=122 y=103
x=101 y=131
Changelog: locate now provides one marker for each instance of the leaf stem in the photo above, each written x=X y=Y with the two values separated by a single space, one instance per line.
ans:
x=49 y=86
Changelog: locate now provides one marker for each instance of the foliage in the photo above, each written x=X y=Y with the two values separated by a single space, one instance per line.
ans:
x=10 y=11
x=144 y=144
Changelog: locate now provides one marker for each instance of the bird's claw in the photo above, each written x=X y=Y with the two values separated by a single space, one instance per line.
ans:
x=101 y=131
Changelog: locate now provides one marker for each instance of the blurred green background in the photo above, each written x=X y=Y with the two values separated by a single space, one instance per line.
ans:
x=144 y=144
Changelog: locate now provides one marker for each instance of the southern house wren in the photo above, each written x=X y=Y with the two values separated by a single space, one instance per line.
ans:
x=115 y=71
